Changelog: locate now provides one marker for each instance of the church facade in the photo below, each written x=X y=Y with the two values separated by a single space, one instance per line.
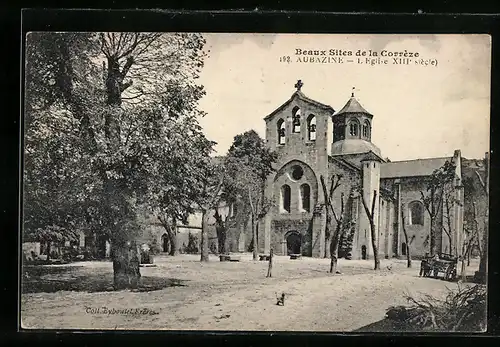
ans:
x=313 y=141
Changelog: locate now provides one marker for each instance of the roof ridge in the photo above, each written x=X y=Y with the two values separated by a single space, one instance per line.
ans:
x=300 y=95
x=345 y=162
x=353 y=106
x=428 y=158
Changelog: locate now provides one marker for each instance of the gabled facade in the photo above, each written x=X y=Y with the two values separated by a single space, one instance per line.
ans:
x=299 y=131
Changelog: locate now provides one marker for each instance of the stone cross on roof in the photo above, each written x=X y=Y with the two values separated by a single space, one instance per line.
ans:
x=299 y=85
x=352 y=94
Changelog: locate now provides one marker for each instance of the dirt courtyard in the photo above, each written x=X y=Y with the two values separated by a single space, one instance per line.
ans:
x=234 y=296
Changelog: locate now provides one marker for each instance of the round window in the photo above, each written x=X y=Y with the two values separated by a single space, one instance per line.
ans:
x=297 y=172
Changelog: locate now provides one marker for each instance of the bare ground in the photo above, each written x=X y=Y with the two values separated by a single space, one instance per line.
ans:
x=232 y=296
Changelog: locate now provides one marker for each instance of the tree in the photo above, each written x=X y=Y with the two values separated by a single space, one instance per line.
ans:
x=437 y=184
x=408 y=241
x=449 y=202
x=222 y=226
x=370 y=213
x=179 y=185
x=471 y=238
x=476 y=197
x=212 y=185
x=485 y=185
x=338 y=217
x=55 y=182
x=248 y=164
x=122 y=110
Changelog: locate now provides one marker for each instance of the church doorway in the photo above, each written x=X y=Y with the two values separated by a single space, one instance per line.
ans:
x=165 y=243
x=363 y=252
x=293 y=242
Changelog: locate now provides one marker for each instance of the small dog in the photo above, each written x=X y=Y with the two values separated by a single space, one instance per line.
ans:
x=281 y=300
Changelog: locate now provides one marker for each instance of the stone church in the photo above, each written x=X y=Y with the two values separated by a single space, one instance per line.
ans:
x=314 y=140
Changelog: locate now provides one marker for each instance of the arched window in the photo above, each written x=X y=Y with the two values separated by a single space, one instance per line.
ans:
x=296 y=120
x=311 y=127
x=366 y=130
x=285 y=198
x=416 y=213
x=305 y=195
x=281 y=132
x=354 y=128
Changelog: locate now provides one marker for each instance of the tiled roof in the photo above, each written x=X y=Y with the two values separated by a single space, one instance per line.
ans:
x=302 y=97
x=353 y=106
x=411 y=168
x=351 y=146
x=344 y=162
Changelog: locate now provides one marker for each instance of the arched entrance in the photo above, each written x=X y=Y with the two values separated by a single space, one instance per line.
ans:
x=293 y=242
x=165 y=243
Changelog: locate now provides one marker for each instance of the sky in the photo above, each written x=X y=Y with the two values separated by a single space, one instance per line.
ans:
x=419 y=111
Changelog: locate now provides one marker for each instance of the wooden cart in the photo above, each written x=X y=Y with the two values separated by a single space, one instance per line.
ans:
x=443 y=263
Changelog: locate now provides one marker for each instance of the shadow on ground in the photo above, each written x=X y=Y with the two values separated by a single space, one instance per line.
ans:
x=48 y=279
x=384 y=325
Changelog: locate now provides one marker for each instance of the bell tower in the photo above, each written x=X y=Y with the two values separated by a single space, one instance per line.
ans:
x=352 y=129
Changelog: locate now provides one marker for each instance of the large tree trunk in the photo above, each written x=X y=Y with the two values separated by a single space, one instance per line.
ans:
x=204 y=237
x=171 y=230
x=172 y=237
x=254 y=238
x=221 y=229
x=125 y=253
x=221 y=238
x=125 y=264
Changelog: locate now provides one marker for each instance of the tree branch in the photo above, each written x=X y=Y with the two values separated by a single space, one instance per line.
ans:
x=127 y=66
x=124 y=86
x=483 y=185
x=328 y=198
x=426 y=204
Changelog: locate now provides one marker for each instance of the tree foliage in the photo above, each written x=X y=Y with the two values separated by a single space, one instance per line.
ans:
x=336 y=211
x=248 y=163
x=111 y=123
x=433 y=196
